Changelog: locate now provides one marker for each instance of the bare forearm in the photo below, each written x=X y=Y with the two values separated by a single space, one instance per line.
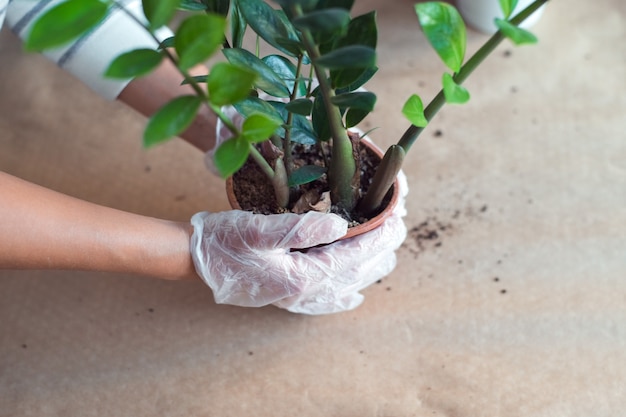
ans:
x=43 y=229
x=148 y=94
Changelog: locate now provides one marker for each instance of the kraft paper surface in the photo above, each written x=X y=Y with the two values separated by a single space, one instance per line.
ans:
x=509 y=298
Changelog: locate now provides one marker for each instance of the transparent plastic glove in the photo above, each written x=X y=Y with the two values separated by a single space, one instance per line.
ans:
x=246 y=259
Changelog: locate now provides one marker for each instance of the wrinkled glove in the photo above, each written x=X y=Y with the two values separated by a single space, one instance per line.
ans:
x=246 y=259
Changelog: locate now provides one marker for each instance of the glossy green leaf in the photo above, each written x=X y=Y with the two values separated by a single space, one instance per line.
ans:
x=258 y=127
x=306 y=5
x=252 y=105
x=306 y=174
x=507 y=7
x=231 y=155
x=324 y=21
x=197 y=78
x=238 y=26
x=344 y=4
x=267 y=80
x=192 y=5
x=198 y=37
x=134 y=64
x=302 y=106
x=354 y=56
x=348 y=80
x=64 y=23
x=363 y=100
x=516 y=34
x=445 y=30
x=413 y=110
x=362 y=30
x=219 y=7
x=453 y=92
x=302 y=131
x=167 y=43
x=228 y=83
x=171 y=120
x=268 y=24
x=354 y=116
x=286 y=70
x=159 y=12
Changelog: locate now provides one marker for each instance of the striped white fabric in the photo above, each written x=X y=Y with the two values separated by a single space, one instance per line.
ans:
x=89 y=56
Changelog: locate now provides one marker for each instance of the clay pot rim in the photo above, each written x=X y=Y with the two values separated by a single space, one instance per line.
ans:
x=353 y=231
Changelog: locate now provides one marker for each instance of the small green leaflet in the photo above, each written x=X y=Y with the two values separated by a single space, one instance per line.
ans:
x=228 y=83
x=198 y=37
x=159 y=12
x=454 y=92
x=413 y=110
x=354 y=56
x=64 y=23
x=516 y=34
x=134 y=64
x=258 y=127
x=507 y=7
x=171 y=119
x=231 y=155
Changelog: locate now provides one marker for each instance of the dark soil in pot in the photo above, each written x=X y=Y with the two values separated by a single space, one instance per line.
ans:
x=251 y=190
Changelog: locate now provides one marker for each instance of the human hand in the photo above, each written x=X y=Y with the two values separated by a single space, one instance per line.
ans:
x=246 y=259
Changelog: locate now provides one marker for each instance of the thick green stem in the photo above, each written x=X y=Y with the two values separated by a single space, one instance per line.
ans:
x=412 y=133
x=342 y=167
x=289 y=121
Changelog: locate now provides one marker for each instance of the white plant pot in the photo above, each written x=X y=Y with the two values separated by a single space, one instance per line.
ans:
x=480 y=14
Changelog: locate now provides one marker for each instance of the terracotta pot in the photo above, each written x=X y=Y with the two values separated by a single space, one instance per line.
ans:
x=362 y=228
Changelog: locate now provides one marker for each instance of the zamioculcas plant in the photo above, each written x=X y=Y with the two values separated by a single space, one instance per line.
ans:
x=303 y=95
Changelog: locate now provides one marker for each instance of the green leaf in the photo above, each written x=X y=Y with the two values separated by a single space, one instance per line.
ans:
x=171 y=119
x=228 y=83
x=192 y=6
x=238 y=26
x=454 y=92
x=198 y=37
x=413 y=110
x=302 y=106
x=267 y=80
x=362 y=30
x=324 y=21
x=286 y=70
x=302 y=131
x=134 y=64
x=445 y=30
x=159 y=12
x=219 y=7
x=507 y=7
x=346 y=80
x=252 y=105
x=258 y=127
x=64 y=23
x=197 y=78
x=363 y=100
x=344 y=4
x=306 y=174
x=516 y=34
x=268 y=24
x=231 y=155
x=167 y=43
x=354 y=116
x=354 y=56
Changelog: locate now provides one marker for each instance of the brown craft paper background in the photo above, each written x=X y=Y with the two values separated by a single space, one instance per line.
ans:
x=515 y=307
